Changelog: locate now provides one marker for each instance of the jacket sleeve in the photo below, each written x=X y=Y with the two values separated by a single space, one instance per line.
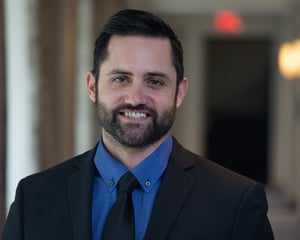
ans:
x=13 y=228
x=251 y=221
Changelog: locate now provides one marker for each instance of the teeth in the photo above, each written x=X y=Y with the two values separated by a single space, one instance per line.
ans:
x=135 y=115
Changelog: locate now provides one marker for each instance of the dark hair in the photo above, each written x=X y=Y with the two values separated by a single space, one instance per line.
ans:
x=130 y=22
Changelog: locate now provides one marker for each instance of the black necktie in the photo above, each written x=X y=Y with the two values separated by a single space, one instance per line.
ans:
x=119 y=224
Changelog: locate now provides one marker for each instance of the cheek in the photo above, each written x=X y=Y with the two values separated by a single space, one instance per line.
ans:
x=109 y=97
x=165 y=102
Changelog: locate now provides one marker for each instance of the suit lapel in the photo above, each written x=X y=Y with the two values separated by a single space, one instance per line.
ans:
x=80 y=186
x=175 y=186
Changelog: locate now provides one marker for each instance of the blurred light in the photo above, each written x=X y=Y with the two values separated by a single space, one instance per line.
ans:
x=289 y=59
x=227 y=22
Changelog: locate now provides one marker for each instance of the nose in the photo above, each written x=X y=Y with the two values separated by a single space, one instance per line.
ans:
x=136 y=94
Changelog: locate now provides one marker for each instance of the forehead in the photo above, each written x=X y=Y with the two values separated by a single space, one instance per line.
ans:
x=138 y=55
x=135 y=46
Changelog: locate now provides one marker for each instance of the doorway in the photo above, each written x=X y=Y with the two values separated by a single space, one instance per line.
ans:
x=237 y=97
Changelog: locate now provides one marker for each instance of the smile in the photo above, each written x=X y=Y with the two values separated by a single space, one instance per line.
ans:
x=135 y=115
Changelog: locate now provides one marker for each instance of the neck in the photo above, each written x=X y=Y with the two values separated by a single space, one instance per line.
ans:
x=129 y=156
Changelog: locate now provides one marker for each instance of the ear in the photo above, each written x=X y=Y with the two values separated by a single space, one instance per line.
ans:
x=182 y=90
x=91 y=86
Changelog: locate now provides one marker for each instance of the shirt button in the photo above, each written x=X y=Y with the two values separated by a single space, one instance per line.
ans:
x=111 y=183
x=148 y=183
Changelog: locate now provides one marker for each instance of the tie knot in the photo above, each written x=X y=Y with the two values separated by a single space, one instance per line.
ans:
x=127 y=183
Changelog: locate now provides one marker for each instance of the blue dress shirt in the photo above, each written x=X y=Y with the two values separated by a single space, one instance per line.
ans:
x=110 y=170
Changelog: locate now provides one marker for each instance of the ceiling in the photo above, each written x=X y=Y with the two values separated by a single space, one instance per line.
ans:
x=196 y=7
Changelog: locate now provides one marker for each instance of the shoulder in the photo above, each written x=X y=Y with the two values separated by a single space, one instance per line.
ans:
x=216 y=198
x=209 y=174
x=58 y=173
x=220 y=186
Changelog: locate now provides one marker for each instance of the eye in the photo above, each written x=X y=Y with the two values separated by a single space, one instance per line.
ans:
x=156 y=83
x=120 y=79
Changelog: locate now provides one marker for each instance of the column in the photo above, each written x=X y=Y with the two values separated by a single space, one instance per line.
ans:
x=21 y=92
x=83 y=107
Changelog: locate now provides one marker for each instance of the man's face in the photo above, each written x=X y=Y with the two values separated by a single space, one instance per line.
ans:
x=136 y=94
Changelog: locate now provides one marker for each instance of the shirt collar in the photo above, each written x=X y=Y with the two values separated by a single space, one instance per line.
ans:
x=148 y=172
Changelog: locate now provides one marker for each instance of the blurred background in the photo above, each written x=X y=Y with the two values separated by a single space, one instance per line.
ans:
x=242 y=110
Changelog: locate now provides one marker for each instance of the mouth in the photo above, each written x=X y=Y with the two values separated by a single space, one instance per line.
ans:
x=135 y=115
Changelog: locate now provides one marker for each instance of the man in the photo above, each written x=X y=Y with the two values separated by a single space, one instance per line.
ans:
x=137 y=84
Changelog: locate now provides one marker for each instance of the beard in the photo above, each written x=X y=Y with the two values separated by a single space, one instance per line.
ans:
x=135 y=135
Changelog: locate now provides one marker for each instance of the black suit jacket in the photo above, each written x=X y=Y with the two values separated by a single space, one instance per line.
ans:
x=197 y=199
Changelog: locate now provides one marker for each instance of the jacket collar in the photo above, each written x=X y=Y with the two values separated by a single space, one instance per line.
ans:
x=176 y=185
x=79 y=193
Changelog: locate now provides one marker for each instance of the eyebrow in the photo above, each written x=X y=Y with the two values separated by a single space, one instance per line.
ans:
x=148 y=74
x=119 y=71
x=157 y=74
